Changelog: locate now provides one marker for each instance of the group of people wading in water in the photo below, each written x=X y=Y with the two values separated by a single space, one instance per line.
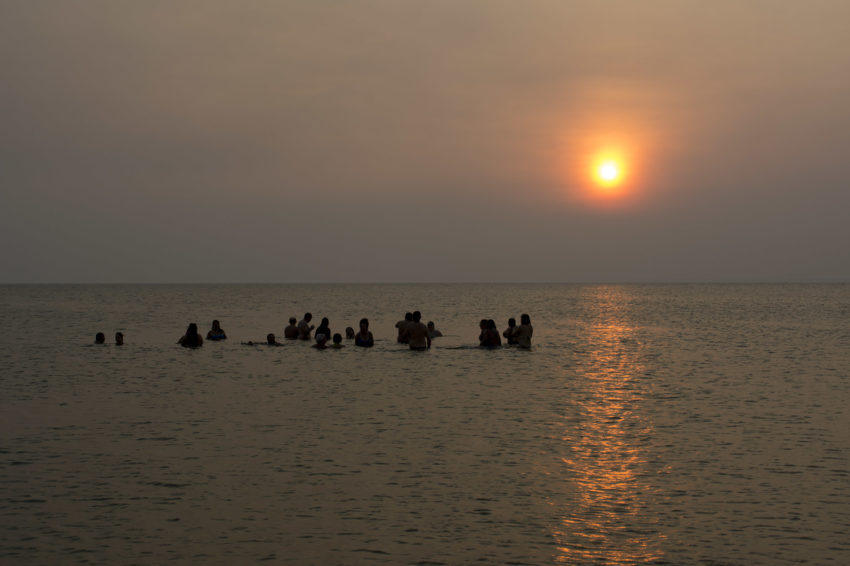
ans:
x=411 y=331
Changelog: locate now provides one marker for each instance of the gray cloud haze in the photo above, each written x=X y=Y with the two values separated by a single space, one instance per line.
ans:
x=423 y=141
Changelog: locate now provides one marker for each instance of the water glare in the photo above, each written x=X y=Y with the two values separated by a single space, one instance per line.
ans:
x=605 y=432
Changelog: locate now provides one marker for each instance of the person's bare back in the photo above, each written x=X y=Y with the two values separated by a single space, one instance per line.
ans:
x=524 y=332
x=305 y=328
x=418 y=335
x=291 y=331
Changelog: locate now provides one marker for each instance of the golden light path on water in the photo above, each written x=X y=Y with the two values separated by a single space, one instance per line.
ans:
x=605 y=459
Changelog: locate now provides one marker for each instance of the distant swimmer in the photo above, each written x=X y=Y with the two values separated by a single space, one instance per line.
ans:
x=305 y=328
x=119 y=338
x=271 y=340
x=510 y=332
x=291 y=331
x=417 y=333
x=216 y=333
x=433 y=331
x=402 y=327
x=337 y=341
x=100 y=338
x=324 y=328
x=491 y=335
x=524 y=332
x=364 y=338
x=349 y=333
x=321 y=342
x=191 y=339
x=482 y=335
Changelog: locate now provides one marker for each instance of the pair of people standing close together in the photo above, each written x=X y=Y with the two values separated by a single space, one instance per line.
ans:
x=193 y=339
x=412 y=332
x=514 y=335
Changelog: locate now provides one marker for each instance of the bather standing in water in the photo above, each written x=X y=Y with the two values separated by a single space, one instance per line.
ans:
x=364 y=338
x=524 y=332
x=321 y=342
x=191 y=339
x=291 y=331
x=432 y=330
x=324 y=328
x=304 y=327
x=417 y=333
x=510 y=332
x=216 y=333
x=491 y=335
x=402 y=326
x=482 y=335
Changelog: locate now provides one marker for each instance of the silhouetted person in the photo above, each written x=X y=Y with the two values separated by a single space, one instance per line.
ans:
x=305 y=328
x=524 y=331
x=324 y=328
x=482 y=336
x=100 y=338
x=337 y=341
x=271 y=340
x=417 y=333
x=510 y=332
x=491 y=335
x=432 y=330
x=321 y=342
x=119 y=339
x=349 y=333
x=402 y=327
x=291 y=331
x=364 y=337
x=216 y=333
x=191 y=339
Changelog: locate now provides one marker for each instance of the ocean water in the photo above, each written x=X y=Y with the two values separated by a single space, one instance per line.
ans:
x=669 y=424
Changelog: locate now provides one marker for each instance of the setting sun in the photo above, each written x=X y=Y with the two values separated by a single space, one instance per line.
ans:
x=608 y=173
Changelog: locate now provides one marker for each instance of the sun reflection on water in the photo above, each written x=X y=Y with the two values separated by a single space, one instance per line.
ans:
x=609 y=520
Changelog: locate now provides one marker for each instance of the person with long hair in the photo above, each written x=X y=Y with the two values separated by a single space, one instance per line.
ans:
x=191 y=339
x=364 y=338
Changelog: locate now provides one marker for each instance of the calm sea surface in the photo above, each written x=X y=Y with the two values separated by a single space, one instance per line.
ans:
x=682 y=424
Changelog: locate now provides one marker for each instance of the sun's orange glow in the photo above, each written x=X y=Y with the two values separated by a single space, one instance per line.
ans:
x=609 y=157
x=608 y=170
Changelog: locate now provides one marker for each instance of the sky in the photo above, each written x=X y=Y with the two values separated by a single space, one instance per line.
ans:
x=441 y=141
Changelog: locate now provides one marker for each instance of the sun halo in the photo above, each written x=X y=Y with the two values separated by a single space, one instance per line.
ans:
x=608 y=173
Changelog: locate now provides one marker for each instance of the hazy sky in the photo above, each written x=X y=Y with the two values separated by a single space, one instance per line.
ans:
x=346 y=141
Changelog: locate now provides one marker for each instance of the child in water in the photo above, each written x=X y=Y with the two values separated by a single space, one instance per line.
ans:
x=338 y=341
x=321 y=342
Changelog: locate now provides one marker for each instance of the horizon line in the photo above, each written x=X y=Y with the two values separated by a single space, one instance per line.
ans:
x=589 y=282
